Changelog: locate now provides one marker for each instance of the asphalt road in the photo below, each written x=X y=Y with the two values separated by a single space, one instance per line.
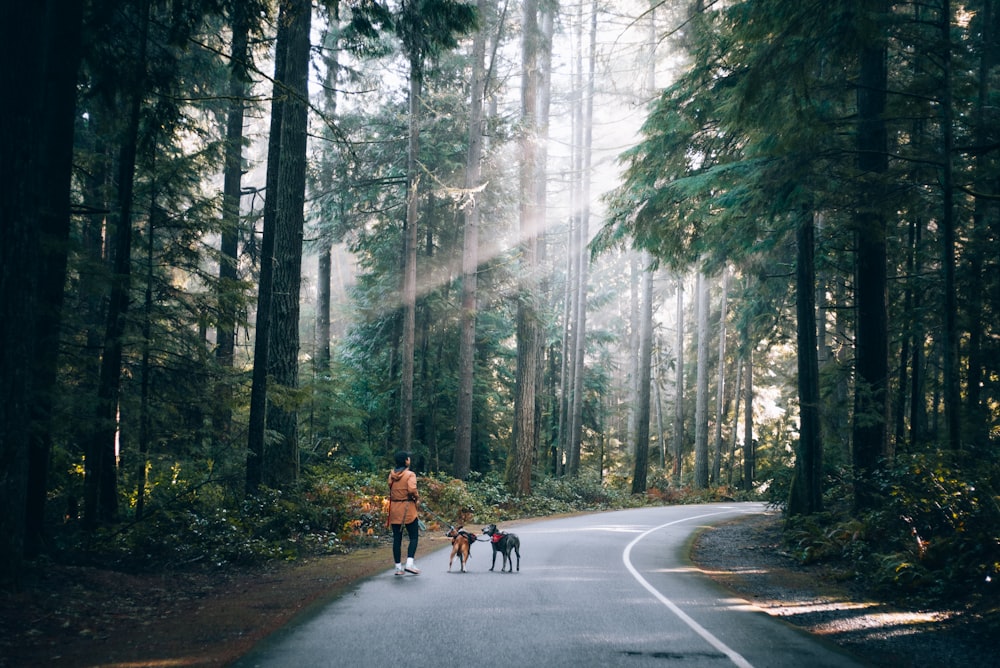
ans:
x=607 y=589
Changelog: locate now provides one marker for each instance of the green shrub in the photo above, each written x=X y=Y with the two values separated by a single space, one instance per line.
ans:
x=824 y=536
x=942 y=523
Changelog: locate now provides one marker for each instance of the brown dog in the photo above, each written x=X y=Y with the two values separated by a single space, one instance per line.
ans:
x=461 y=543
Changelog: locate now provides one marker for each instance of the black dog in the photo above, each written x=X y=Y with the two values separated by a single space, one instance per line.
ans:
x=504 y=543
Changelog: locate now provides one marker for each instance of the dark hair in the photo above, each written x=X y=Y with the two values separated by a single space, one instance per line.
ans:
x=401 y=458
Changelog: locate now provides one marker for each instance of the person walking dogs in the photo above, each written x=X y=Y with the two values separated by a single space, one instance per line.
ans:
x=403 y=498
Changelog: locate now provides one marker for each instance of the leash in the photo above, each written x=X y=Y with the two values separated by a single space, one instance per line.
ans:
x=478 y=538
x=443 y=521
x=436 y=516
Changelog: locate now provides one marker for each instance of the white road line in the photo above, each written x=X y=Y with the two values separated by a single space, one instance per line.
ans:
x=735 y=657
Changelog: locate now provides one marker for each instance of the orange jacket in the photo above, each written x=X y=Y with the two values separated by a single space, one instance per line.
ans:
x=403 y=496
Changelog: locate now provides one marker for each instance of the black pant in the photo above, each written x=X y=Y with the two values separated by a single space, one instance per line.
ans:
x=413 y=531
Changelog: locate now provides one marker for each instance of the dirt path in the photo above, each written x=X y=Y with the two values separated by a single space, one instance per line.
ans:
x=89 y=617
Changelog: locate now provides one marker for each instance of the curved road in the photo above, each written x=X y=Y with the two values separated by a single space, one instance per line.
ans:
x=607 y=589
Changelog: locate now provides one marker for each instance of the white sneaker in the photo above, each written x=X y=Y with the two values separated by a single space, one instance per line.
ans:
x=412 y=568
x=399 y=570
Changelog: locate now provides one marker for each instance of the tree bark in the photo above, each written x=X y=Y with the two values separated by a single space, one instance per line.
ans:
x=980 y=365
x=806 y=495
x=331 y=52
x=410 y=258
x=678 y=442
x=470 y=256
x=584 y=118
x=643 y=395
x=543 y=104
x=324 y=263
x=60 y=59
x=519 y=465
x=701 y=392
x=737 y=394
x=282 y=456
x=657 y=399
x=40 y=55
x=225 y=333
x=632 y=354
x=952 y=391
x=101 y=483
x=575 y=363
x=749 y=445
x=720 y=396
x=870 y=284
x=265 y=288
x=564 y=458
x=145 y=419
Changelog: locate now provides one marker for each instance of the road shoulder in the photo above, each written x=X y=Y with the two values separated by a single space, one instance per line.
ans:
x=746 y=556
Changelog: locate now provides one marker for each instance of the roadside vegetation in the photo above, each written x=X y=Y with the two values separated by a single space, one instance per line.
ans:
x=932 y=540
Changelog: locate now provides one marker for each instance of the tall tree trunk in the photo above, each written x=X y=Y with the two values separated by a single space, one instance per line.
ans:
x=737 y=393
x=543 y=104
x=952 y=393
x=564 y=431
x=566 y=384
x=282 y=456
x=145 y=380
x=585 y=136
x=410 y=257
x=843 y=324
x=658 y=402
x=225 y=333
x=519 y=465
x=645 y=367
x=912 y=371
x=40 y=56
x=918 y=402
x=470 y=255
x=265 y=288
x=701 y=391
x=98 y=188
x=649 y=88
x=678 y=443
x=101 y=484
x=632 y=354
x=60 y=59
x=720 y=396
x=20 y=253
x=984 y=167
x=324 y=303
x=903 y=369
x=870 y=283
x=806 y=496
x=749 y=445
x=324 y=263
x=573 y=283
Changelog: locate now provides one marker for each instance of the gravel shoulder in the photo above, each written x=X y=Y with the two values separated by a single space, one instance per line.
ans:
x=746 y=556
